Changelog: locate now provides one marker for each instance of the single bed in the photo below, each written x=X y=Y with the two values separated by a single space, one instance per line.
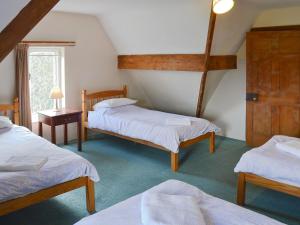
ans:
x=144 y=126
x=215 y=211
x=64 y=171
x=269 y=167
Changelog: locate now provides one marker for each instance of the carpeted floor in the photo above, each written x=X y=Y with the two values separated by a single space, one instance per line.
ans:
x=127 y=169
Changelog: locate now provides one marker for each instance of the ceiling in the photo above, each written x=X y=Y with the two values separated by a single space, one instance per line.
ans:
x=9 y=9
x=274 y=3
x=98 y=7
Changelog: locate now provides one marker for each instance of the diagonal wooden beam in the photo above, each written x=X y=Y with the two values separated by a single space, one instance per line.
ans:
x=176 y=62
x=210 y=36
x=23 y=23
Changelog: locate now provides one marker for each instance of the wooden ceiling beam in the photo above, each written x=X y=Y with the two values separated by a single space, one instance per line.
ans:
x=177 y=62
x=210 y=36
x=23 y=23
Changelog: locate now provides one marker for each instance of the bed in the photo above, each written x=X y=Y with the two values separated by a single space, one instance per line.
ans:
x=269 y=167
x=64 y=171
x=215 y=211
x=144 y=126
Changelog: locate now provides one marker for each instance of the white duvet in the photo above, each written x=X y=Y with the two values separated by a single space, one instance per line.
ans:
x=272 y=163
x=215 y=211
x=62 y=165
x=149 y=125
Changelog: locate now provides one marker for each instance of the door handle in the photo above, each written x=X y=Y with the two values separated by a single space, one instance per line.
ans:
x=251 y=97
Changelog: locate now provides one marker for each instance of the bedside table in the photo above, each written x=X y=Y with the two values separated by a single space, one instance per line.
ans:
x=62 y=117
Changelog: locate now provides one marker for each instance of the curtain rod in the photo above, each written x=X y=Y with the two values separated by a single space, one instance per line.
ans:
x=49 y=43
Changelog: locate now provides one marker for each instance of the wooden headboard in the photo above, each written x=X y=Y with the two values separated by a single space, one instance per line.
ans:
x=14 y=108
x=88 y=100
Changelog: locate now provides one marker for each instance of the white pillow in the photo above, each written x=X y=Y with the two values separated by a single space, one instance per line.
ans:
x=5 y=122
x=114 y=102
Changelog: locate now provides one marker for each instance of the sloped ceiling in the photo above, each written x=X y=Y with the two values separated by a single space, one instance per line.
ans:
x=171 y=26
x=9 y=9
x=266 y=4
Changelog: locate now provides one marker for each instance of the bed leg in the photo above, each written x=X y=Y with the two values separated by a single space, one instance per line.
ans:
x=212 y=142
x=90 y=196
x=84 y=133
x=241 y=190
x=174 y=161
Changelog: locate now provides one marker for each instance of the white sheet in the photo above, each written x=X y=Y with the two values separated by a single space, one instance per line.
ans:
x=271 y=163
x=291 y=147
x=216 y=211
x=149 y=125
x=178 y=122
x=62 y=165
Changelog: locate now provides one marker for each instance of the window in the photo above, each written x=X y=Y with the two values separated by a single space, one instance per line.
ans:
x=46 y=69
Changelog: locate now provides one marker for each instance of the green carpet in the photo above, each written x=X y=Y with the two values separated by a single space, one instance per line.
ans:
x=127 y=169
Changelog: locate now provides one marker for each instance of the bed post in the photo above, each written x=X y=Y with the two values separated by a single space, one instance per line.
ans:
x=125 y=90
x=16 y=112
x=174 y=161
x=90 y=196
x=241 y=190
x=84 y=115
x=212 y=142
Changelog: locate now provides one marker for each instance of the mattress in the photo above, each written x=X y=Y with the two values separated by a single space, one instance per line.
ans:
x=149 y=125
x=270 y=162
x=62 y=165
x=215 y=211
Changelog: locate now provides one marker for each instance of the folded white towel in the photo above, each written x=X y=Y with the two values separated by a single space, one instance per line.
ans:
x=292 y=147
x=178 y=122
x=164 y=209
x=23 y=163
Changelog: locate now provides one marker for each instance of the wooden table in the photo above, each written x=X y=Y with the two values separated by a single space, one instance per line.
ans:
x=62 y=117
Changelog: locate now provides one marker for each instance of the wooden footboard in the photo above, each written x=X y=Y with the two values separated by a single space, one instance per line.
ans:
x=262 y=182
x=45 y=194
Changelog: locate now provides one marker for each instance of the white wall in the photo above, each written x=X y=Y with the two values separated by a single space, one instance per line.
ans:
x=168 y=27
x=91 y=64
x=9 y=9
x=279 y=17
x=7 y=79
x=227 y=107
x=146 y=27
x=174 y=27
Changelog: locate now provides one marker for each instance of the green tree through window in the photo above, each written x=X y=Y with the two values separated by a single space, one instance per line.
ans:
x=46 y=71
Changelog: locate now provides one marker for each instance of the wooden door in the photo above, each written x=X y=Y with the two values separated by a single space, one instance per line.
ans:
x=273 y=85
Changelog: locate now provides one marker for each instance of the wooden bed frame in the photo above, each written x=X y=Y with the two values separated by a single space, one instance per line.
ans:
x=88 y=100
x=47 y=193
x=263 y=182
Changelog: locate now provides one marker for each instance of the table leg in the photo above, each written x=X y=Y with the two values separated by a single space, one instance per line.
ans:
x=41 y=129
x=53 y=135
x=79 y=135
x=66 y=134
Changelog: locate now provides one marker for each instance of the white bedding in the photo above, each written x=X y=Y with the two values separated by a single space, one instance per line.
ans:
x=272 y=163
x=62 y=165
x=216 y=211
x=149 y=125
